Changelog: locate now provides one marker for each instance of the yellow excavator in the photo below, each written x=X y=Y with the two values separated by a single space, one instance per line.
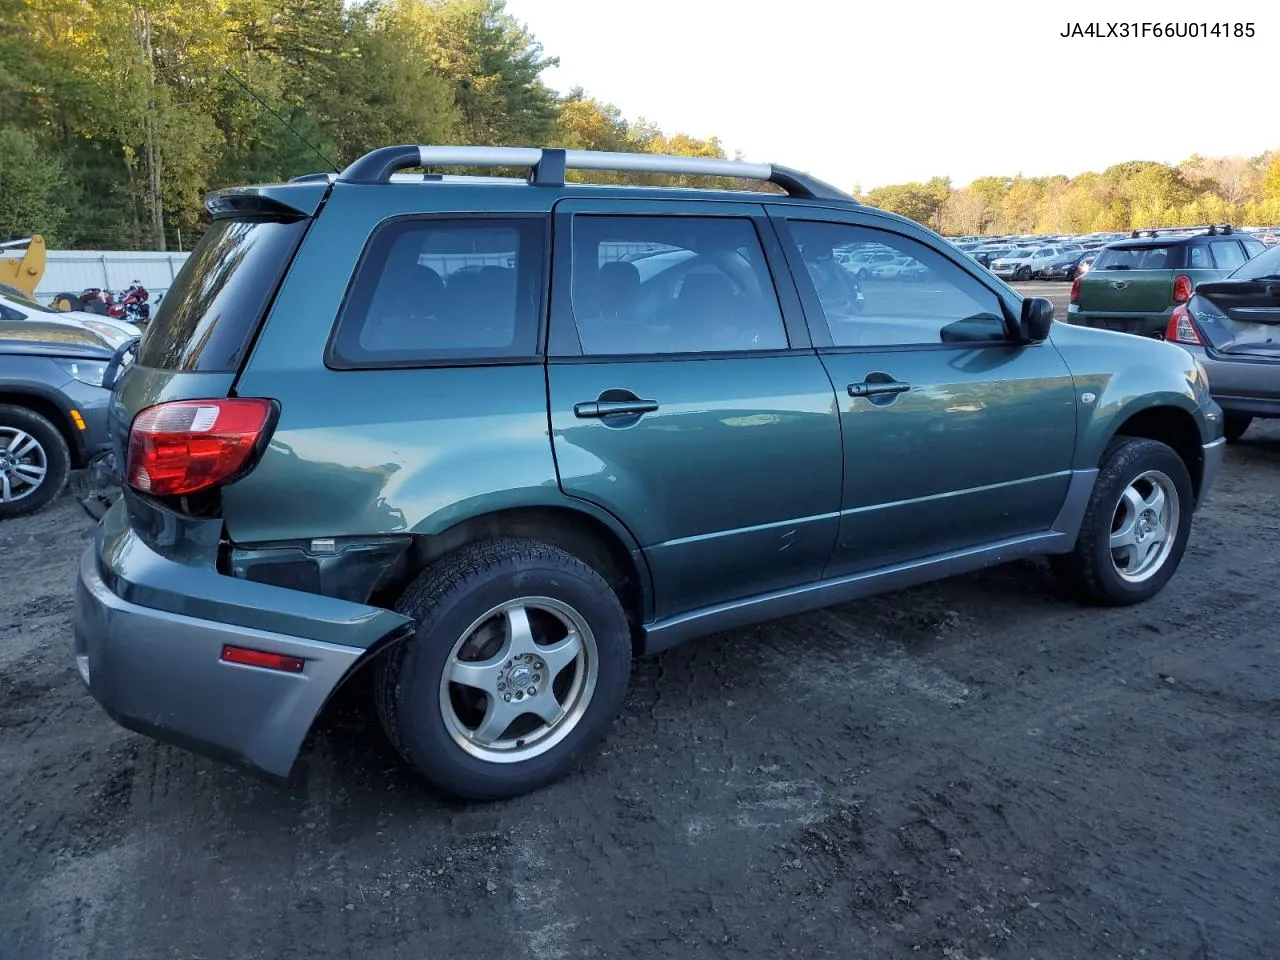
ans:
x=24 y=272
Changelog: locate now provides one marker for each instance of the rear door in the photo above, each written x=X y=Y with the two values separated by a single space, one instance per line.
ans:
x=954 y=435
x=1132 y=279
x=685 y=397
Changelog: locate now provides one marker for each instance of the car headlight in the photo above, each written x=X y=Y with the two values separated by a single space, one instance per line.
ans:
x=91 y=372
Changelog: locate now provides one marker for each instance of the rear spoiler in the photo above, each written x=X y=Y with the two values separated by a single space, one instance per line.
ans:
x=290 y=201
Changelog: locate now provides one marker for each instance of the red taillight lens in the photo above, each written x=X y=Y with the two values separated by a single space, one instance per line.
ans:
x=1182 y=287
x=191 y=445
x=262 y=658
x=1182 y=329
x=1075 y=290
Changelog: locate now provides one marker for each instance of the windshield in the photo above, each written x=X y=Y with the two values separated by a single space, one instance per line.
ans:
x=1263 y=265
x=20 y=299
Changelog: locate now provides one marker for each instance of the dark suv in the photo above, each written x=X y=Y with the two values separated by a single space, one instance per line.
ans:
x=1135 y=285
x=493 y=438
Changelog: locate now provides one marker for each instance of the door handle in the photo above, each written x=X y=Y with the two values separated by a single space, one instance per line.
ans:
x=874 y=388
x=614 y=408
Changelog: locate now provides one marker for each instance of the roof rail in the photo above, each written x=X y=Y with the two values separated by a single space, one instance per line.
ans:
x=1225 y=229
x=547 y=166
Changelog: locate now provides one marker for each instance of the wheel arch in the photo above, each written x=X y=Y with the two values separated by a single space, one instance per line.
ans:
x=1171 y=425
x=39 y=402
x=592 y=535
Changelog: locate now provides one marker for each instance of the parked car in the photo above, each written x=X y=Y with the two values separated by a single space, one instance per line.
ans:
x=16 y=306
x=493 y=486
x=984 y=255
x=1135 y=285
x=53 y=409
x=1063 y=266
x=1025 y=264
x=1232 y=326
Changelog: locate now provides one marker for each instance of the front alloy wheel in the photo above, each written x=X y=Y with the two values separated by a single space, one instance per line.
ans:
x=1143 y=526
x=1135 y=528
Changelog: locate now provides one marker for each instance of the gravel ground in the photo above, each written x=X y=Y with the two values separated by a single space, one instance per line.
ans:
x=973 y=769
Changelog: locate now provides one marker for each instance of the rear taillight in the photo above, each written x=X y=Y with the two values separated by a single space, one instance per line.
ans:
x=191 y=445
x=1075 y=290
x=1182 y=329
x=1182 y=287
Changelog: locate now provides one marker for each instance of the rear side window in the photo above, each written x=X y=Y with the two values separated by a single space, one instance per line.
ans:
x=441 y=291
x=208 y=317
x=1227 y=254
x=1198 y=255
x=1139 y=258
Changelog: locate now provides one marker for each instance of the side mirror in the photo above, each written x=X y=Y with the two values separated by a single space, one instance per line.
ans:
x=1037 y=317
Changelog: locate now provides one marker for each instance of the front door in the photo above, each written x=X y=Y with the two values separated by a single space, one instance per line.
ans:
x=686 y=399
x=955 y=435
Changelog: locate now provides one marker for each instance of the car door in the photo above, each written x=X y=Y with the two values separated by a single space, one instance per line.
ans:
x=955 y=435
x=686 y=399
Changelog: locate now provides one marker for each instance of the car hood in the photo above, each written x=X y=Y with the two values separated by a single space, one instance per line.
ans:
x=40 y=339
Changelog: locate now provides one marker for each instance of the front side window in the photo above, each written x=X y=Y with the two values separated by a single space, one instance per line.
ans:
x=439 y=290
x=664 y=285
x=921 y=298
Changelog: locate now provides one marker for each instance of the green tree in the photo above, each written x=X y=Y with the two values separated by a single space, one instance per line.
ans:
x=32 y=184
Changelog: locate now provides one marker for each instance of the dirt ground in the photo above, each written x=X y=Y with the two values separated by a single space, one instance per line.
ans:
x=973 y=769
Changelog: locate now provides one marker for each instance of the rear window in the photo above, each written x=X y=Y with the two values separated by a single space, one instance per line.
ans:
x=208 y=317
x=1140 y=258
x=1263 y=266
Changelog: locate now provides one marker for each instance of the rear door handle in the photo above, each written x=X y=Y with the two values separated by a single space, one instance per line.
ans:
x=878 y=388
x=614 y=408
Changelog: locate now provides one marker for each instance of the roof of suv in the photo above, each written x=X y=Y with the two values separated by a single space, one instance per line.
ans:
x=547 y=168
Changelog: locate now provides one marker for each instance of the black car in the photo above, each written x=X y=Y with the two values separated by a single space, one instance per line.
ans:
x=1064 y=268
x=53 y=411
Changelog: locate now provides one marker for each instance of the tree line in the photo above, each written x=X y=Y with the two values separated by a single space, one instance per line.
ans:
x=117 y=116
x=1125 y=196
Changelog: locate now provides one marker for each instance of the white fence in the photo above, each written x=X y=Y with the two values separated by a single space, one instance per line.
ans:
x=70 y=271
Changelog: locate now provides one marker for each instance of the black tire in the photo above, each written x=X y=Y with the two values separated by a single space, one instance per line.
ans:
x=445 y=600
x=1089 y=571
x=1234 y=426
x=1023 y=274
x=53 y=456
x=67 y=301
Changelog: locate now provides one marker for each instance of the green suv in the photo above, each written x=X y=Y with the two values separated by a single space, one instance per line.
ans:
x=1135 y=285
x=492 y=438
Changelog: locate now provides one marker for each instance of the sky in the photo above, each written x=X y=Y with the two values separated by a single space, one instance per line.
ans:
x=866 y=94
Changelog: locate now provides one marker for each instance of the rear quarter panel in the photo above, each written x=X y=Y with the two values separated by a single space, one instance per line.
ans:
x=369 y=452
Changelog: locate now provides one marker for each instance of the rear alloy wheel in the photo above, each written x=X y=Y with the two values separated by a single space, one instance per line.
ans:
x=1235 y=425
x=34 y=461
x=1135 y=528
x=518 y=665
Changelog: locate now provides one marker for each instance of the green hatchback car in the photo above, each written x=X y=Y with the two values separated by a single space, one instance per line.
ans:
x=1135 y=285
x=493 y=438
